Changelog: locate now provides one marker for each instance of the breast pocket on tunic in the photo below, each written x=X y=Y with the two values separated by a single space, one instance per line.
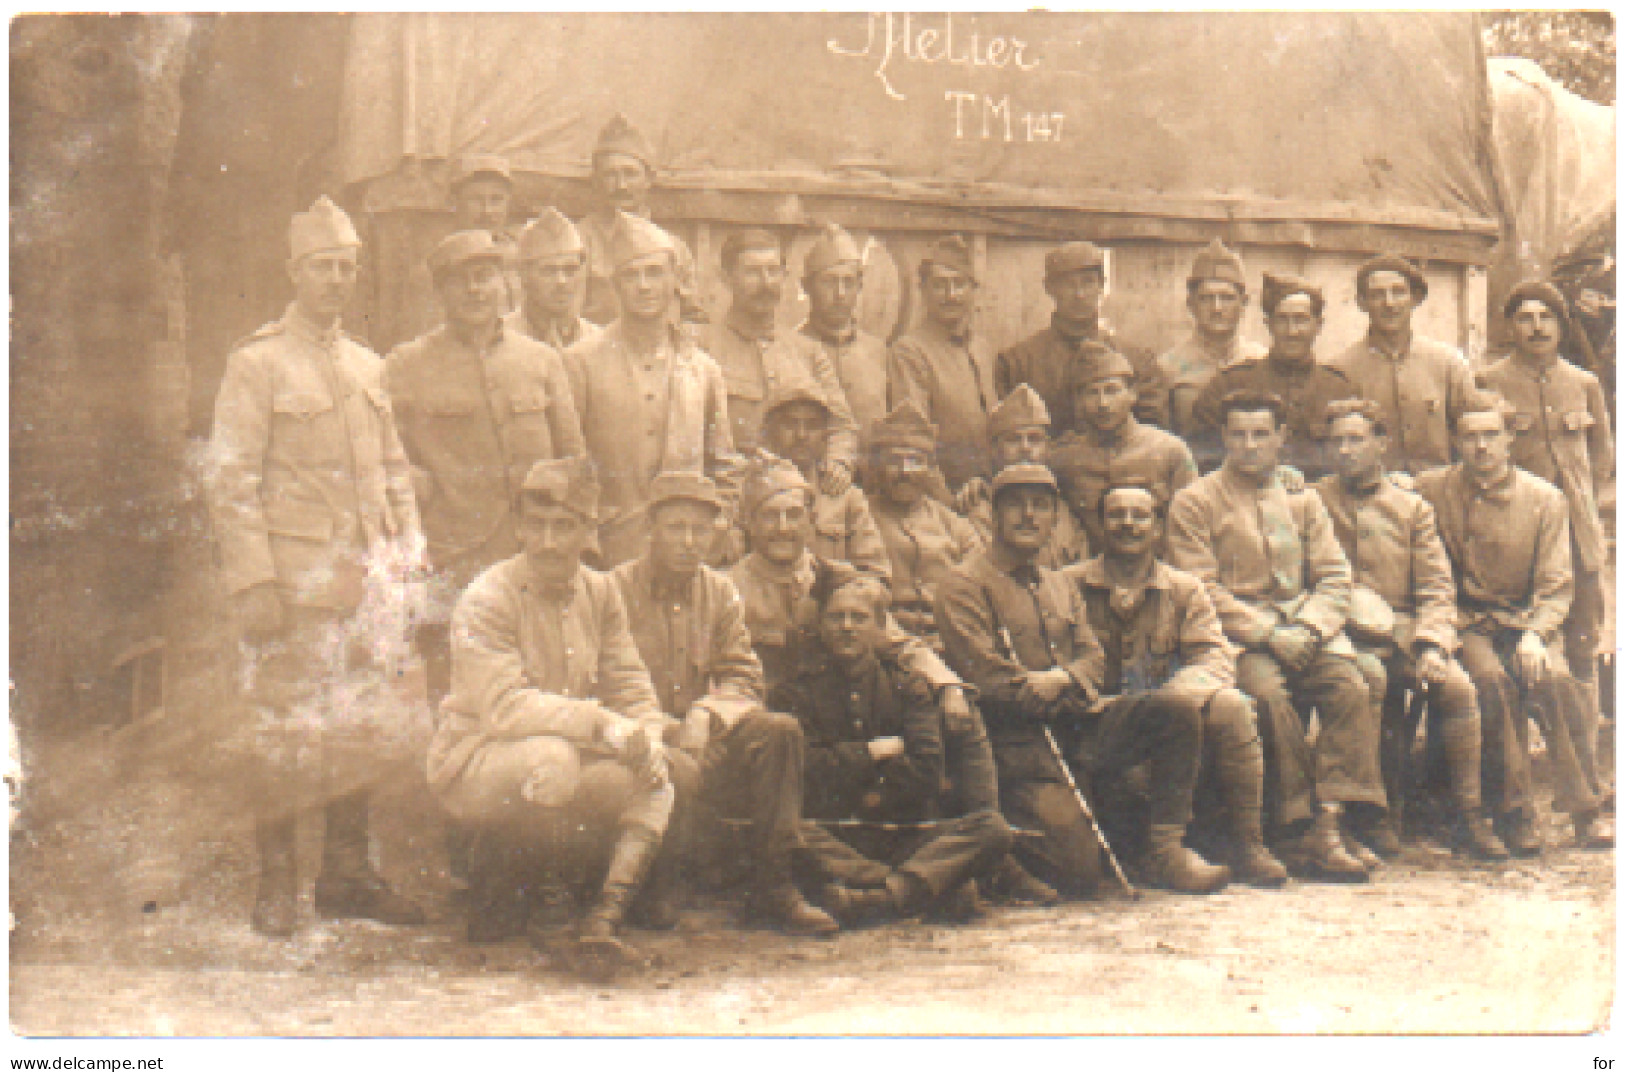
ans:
x=530 y=430
x=304 y=427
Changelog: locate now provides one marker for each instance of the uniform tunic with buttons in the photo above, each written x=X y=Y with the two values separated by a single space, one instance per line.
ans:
x=1420 y=392
x=924 y=542
x=1182 y=372
x=1087 y=462
x=844 y=530
x=1306 y=388
x=950 y=377
x=860 y=362
x=754 y=367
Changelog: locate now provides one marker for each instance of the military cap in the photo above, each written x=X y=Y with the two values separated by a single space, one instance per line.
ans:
x=325 y=226
x=1389 y=262
x=620 y=136
x=1220 y=262
x=780 y=397
x=832 y=575
x=1097 y=361
x=949 y=251
x=1277 y=288
x=1541 y=291
x=549 y=235
x=633 y=238
x=1073 y=257
x=770 y=476
x=461 y=247
x=570 y=482
x=684 y=487
x=1025 y=475
x=750 y=238
x=832 y=247
x=905 y=426
x=1021 y=408
x=474 y=164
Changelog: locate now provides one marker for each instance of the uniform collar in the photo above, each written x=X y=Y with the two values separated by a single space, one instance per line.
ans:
x=1500 y=490
x=1093 y=574
x=301 y=326
x=961 y=337
x=1010 y=565
x=1089 y=334
x=1292 y=368
x=1382 y=351
x=1533 y=370
x=1365 y=489
x=556 y=333
x=1237 y=482
x=839 y=338
x=459 y=346
x=800 y=572
x=745 y=329
x=1125 y=434
x=549 y=593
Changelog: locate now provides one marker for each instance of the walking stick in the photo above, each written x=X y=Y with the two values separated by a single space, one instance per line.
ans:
x=1088 y=813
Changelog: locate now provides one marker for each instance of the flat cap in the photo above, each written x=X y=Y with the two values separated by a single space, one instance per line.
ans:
x=475 y=164
x=780 y=397
x=1025 y=475
x=1541 y=291
x=833 y=246
x=1277 y=288
x=324 y=226
x=684 y=487
x=832 y=575
x=620 y=136
x=1074 y=257
x=950 y=251
x=905 y=426
x=1097 y=361
x=461 y=247
x=632 y=238
x=549 y=235
x=1389 y=262
x=768 y=477
x=1021 y=408
x=571 y=482
x=1218 y=261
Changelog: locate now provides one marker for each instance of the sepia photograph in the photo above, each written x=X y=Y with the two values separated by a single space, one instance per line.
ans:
x=1004 y=523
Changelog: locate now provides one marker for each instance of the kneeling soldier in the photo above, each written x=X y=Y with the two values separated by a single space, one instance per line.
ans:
x=550 y=739
x=875 y=754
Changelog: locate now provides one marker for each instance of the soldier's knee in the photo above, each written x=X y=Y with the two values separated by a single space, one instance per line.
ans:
x=606 y=789
x=1374 y=673
x=685 y=773
x=989 y=827
x=1230 y=715
x=769 y=727
x=1259 y=676
x=1455 y=695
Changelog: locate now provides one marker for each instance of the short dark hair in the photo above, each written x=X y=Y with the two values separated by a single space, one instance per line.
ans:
x=1317 y=300
x=1159 y=504
x=1191 y=285
x=1248 y=400
x=1360 y=407
x=1482 y=401
x=750 y=238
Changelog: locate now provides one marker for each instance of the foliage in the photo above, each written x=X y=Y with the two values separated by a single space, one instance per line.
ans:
x=1575 y=47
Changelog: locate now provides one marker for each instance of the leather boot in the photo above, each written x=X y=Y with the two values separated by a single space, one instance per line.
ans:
x=962 y=904
x=1254 y=864
x=1473 y=835
x=1382 y=838
x=1013 y=884
x=1592 y=831
x=853 y=907
x=1328 y=856
x=1170 y=864
x=784 y=905
x=599 y=937
x=497 y=906
x=655 y=906
x=348 y=887
x=1519 y=835
x=276 y=899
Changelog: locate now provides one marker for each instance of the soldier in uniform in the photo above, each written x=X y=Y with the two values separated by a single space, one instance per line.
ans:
x=1164 y=646
x=1281 y=586
x=553 y=269
x=875 y=755
x=943 y=367
x=1560 y=418
x=649 y=400
x=1403 y=621
x=1420 y=385
x=310 y=492
x=757 y=359
x=550 y=742
x=482 y=200
x=623 y=172
x=690 y=631
x=1109 y=445
x=1019 y=427
x=1294 y=310
x=832 y=278
x=1507 y=534
x=1216 y=295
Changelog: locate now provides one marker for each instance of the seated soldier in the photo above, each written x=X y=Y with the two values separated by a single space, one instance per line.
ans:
x=549 y=743
x=1109 y=445
x=1507 y=534
x=924 y=538
x=1019 y=427
x=1165 y=647
x=1280 y=584
x=875 y=754
x=691 y=634
x=1021 y=635
x=1402 y=620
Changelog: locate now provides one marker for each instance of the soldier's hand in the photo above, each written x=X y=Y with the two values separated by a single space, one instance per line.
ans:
x=1290 y=478
x=884 y=748
x=696 y=731
x=1293 y=646
x=1432 y=666
x=259 y=609
x=1402 y=480
x=971 y=495
x=1047 y=686
x=645 y=756
x=836 y=479
x=956 y=714
x=1532 y=660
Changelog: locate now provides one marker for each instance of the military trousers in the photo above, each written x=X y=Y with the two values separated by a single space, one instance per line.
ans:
x=940 y=858
x=1453 y=703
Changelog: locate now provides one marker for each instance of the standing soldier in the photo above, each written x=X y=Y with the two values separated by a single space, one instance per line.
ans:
x=1281 y=586
x=550 y=744
x=1216 y=295
x=1507 y=533
x=1019 y=426
x=757 y=359
x=553 y=269
x=623 y=172
x=943 y=367
x=649 y=400
x=1109 y=445
x=480 y=188
x=1294 y=311
x=311 y=493
x=832 y=277
x=1563 y=437
x=690 y=631
x=1418 y=384
x=1403 y=621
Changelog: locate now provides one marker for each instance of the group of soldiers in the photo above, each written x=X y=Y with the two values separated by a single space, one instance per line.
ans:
x=904 y=629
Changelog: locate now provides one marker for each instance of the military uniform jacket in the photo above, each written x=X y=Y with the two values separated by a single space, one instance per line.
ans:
x=560 y=335
x=602 y=305
x=1563 y=437
x=840 y=712
x=754 y=368
x=309 y=474
x=527 y=662
x=1086 y=463
x=998 y=621
x=1268 y=558
x=924 y=542
x=693 y=640
x=473 y=424
x=1391 y=539
x=860 y=365
x=844 y=530
x=1043 y=361
x=1509 y=545
x=1171 y=641
x=1306 y=389
x=1182 y=372
x=1420 y=391
x=951 y=379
